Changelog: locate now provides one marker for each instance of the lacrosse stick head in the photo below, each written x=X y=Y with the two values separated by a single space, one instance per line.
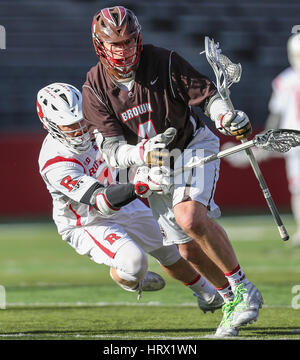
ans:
x=225 y=70
x=280 y=140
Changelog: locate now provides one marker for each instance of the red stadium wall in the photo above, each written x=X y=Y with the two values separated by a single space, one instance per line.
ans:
x=23 y=193
x=239 y=190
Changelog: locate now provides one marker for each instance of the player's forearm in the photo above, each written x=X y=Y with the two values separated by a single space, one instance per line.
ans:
x=118 y=153
x=111 y=199
x=121 y=153
x=228 y=122
x=215 y=107
x=120 y=195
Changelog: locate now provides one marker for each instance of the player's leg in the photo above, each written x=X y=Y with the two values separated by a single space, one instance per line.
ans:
x=190 y=250
x=110 y=245
x=194 y=205
x=146 y=232
x=129 y=269
x=180 y=269
x=209 y=235
x=194 y=209
x=193 y=252
x=173 y=234
x=215 y=243
x=129 y=266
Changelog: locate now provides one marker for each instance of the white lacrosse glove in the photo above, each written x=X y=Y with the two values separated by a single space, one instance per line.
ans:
x=235 y=124
x=150 y=149
x=155 y=179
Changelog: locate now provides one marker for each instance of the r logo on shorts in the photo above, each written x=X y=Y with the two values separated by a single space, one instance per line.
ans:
x=111 y=238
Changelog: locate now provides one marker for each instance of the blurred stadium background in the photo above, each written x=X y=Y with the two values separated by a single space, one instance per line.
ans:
x=50 y=41
x=51 y=292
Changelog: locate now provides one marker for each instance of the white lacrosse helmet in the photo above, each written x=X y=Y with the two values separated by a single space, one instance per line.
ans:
x=61 y=104
x=293 y=49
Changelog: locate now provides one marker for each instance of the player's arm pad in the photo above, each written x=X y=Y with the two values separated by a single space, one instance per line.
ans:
x=227 y=121
x=118 y=153
x=109 y=200
x=215 y=107
x=120 y=194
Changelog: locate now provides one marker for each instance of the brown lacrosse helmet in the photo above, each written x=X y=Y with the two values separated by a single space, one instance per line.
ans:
x=118 y=28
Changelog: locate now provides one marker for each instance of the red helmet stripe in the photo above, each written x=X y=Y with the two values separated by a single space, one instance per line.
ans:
x=107 y=15
x=93 y=25
x=39 y=110
x=122 y=12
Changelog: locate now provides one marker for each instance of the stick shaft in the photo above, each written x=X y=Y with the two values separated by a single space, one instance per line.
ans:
x=223 y=90
x=214 y=157
x=263 y=185
x=266 y=192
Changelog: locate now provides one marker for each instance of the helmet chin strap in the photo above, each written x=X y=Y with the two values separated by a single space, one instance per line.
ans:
x=119 y=77
x=129 y=76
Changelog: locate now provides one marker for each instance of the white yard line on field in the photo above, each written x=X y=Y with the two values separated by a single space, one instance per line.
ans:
x=111 y=304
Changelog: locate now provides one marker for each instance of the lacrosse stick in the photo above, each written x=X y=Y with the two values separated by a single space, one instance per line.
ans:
x=279 y=140
x=228 y=73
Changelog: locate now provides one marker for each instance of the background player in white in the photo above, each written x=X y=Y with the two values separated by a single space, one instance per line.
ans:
x=109 y=224
x=136 y=91
x=284 y=107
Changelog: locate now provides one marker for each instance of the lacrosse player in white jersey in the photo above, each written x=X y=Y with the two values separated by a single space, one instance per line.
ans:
x=284 y=107
x=107 y=222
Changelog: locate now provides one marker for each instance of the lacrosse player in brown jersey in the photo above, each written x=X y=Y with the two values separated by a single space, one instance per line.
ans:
x=137 y=100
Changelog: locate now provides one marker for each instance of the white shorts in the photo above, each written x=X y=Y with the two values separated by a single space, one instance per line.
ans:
x=105 y=239
x=198 y=184
x=293 y=169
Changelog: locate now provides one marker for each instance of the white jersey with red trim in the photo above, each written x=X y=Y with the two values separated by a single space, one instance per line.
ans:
x=68 y=176
x=285 y=100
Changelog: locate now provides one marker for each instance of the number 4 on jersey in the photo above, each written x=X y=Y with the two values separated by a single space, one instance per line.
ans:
x=68 y=183
x=146 y=130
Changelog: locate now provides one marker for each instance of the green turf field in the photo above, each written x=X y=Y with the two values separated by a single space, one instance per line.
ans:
x=53 y=293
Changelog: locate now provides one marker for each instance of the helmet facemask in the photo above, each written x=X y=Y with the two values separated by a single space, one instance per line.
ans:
x=117 y=41
x=77 y=144
x=121 y=58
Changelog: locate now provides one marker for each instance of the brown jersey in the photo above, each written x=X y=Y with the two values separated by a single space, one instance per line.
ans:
x=165 y=88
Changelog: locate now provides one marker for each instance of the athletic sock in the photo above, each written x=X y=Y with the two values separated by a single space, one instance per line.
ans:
x=235 y=277
x=226 y=292
x=200 y=286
